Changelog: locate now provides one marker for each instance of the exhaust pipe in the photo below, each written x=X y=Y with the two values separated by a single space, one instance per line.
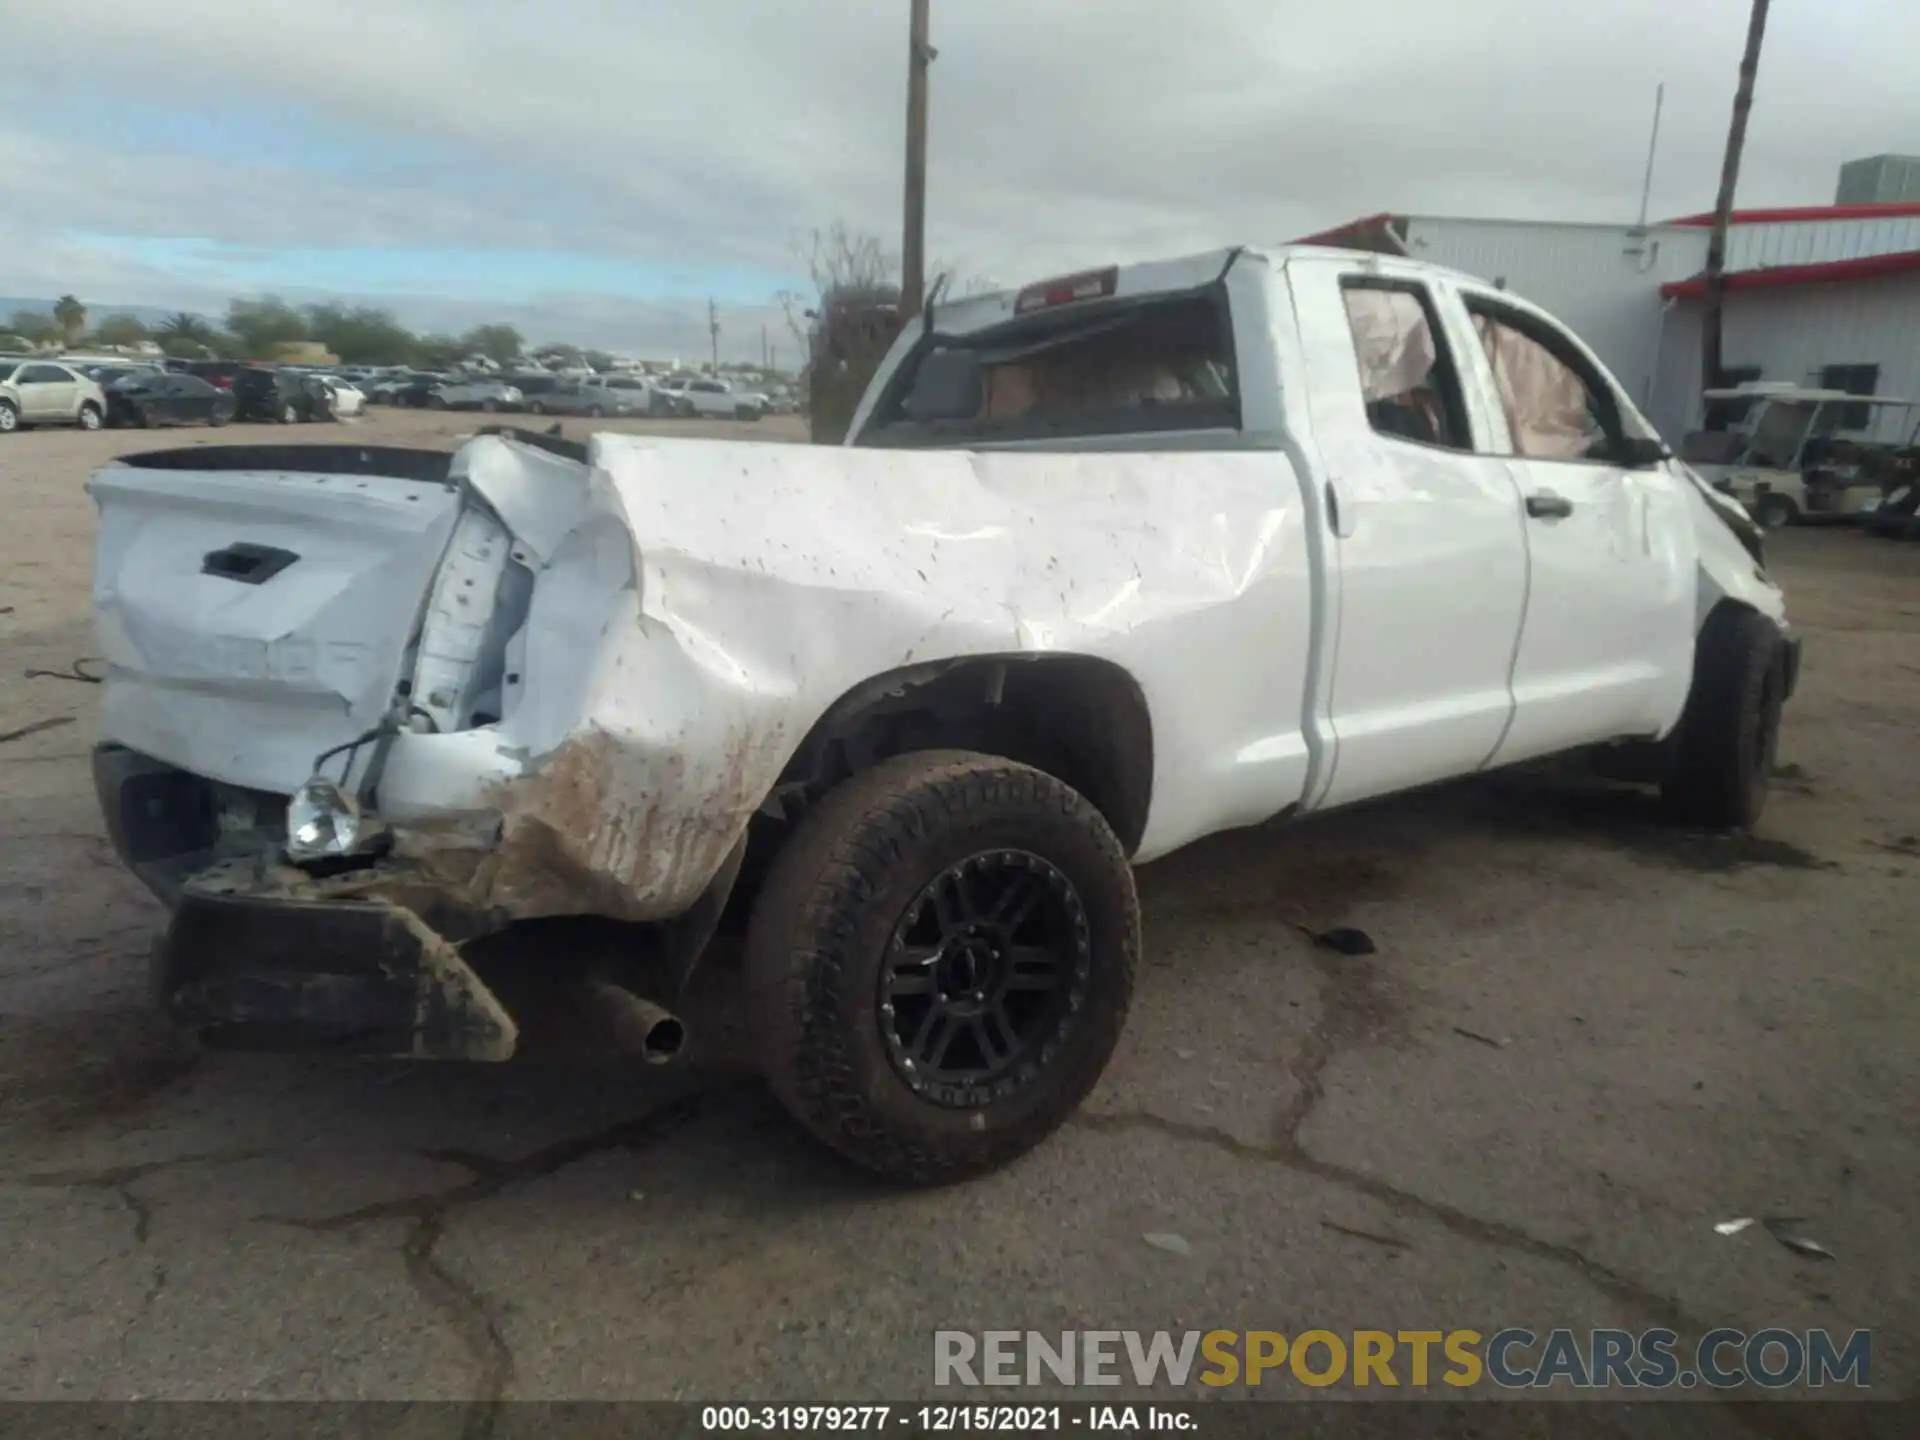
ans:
x=634 y=1026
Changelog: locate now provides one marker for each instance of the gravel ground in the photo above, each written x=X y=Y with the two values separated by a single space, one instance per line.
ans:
x=1585 y=1039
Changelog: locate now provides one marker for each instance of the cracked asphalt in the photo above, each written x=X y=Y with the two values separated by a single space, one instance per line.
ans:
x=1585 y=1039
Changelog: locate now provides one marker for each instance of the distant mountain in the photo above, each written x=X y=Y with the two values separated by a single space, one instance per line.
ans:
x=97 y=310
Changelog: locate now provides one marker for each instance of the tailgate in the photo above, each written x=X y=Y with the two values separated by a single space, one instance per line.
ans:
x=256 y=604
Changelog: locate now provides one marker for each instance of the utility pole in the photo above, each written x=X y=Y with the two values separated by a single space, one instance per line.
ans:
x=713 y=333
x=766 y=362
x=1714 y=304
x=913 y=246
x=1653 y=149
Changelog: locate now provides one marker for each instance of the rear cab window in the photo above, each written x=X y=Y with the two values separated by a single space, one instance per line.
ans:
x=1068 y=367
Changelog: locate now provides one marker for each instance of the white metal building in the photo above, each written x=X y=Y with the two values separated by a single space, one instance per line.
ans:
x=1827 y=295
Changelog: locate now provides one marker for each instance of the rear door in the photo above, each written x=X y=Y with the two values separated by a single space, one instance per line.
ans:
x=47 y=392
x=190 y=398
x=1431 y=563
x=1607 y=649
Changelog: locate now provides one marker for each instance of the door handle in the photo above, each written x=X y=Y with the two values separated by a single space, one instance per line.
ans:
x=1545 y=505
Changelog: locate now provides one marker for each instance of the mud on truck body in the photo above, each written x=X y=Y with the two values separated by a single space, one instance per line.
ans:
x=1107 y=565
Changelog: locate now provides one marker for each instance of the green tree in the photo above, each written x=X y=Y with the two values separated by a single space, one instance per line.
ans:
x=501 y=343
x=185 y=347
x=361 y=336
x=258 y=325
x=559 y=354
x=598 y=359
x=120 y=330
x=34 y=326
x=71 y=316
x=440 y=350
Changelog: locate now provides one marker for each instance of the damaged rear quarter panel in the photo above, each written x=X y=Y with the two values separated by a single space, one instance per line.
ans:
x=716 y=598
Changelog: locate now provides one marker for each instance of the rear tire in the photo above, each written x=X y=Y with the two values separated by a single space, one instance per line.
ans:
x=1774 y=512
x=534 y=407
x=1730 y=730
x=927 y=856
x=490 y=406
x=9 y=418
x=289 y=415
x=90 y=418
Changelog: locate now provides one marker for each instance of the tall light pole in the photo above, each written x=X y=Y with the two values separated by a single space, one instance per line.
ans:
x=913 y=245
x=1716 y=289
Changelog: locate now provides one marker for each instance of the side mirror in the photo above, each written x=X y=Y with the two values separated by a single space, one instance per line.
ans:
x=1637 y=453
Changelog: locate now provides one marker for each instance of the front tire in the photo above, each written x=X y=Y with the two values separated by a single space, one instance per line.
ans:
x=490 y=406
x=289 y=415
x=90 y=416
x=941 y=962
x=1730 y=730
x=9 y=418
x=534 y=407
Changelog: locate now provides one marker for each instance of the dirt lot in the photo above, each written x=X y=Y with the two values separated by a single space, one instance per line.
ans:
x=1585 y=1039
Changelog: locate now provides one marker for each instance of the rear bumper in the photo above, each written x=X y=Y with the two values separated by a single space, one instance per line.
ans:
x=272 y=972
x=262 y=955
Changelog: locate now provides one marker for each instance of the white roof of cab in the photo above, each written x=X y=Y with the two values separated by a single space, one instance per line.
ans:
x=1800 y=393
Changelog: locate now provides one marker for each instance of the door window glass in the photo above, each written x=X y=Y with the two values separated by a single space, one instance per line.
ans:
x=1407 y=380
x=1552 y=410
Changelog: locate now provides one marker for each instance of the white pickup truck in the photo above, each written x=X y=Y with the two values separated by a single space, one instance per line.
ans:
x=1110 y=564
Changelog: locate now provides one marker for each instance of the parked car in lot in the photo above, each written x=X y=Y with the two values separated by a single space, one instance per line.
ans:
x=475 y=394
x=667 y=395
x=157 y=399
x=719 y=398
x=1087 y=584
x=348 y=399
x=217 y=373
x=43 y=392
x=637 y=393
x=289 y=397
x=410 y=392
x=533 y=385
x=595 y=400
x=108 y=376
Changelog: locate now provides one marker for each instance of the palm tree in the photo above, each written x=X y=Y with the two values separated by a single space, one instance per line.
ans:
x=72 y=316
x=185 y=327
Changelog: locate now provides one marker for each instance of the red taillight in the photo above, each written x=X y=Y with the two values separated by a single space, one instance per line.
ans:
x=1088 y=285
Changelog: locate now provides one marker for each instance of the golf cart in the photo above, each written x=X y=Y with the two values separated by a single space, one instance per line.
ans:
x=1787 y=461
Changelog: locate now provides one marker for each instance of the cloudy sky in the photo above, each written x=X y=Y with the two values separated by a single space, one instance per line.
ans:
x=593 y=170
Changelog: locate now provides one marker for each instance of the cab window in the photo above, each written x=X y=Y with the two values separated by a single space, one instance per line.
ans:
x=1407 y=378
x=1556 y=408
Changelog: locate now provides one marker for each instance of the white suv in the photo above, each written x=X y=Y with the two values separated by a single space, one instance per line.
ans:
x=40 y=392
